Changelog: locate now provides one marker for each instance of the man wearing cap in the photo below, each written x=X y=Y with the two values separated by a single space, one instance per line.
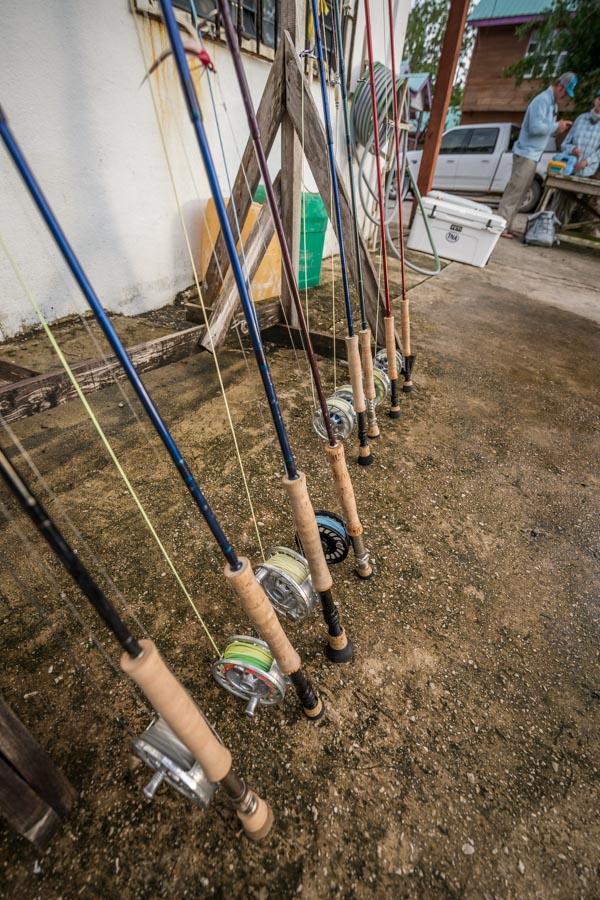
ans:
x=539 y=124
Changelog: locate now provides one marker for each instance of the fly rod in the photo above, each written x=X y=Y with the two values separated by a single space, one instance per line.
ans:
x=404 y=308
x=390 y=337
x=334 y=448
x=354 y=362
x=339 y=647
x=365 y=332
x=238 y=569
x=144 y=665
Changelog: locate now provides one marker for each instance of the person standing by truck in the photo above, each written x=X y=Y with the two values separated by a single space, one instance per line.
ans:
x=540 y=123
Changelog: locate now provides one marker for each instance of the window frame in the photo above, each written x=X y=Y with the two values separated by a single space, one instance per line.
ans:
x=214 y=30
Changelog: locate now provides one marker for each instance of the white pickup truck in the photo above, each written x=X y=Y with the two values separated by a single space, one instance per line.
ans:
x=477 y=159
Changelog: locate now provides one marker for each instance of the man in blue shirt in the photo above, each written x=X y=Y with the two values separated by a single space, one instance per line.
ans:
x=583 y=141
x=539 y=124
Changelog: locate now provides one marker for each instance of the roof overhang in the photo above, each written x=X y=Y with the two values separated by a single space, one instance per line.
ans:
x=509 y=20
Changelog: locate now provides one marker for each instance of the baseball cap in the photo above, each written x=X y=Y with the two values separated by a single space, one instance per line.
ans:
x=568 y=81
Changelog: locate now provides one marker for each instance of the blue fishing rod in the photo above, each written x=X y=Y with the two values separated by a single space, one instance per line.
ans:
x=354 y=363
x=238 y=569
x=339 y=646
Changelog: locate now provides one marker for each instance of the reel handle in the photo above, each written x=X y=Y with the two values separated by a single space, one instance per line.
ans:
x=171 y=701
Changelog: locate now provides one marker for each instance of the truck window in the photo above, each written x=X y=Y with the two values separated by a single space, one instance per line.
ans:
x=454 y=140
x=482 y=140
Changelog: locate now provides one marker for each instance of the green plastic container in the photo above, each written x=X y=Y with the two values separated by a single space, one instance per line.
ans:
x=313 y=225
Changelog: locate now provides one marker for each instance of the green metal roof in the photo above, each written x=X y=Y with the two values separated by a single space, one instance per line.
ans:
x=507 y=9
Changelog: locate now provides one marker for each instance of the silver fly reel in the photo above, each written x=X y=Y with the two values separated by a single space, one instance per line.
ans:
x=171 y=761
x=343 y=419
x=285 y=577
x=247 y=670
x=381 y=361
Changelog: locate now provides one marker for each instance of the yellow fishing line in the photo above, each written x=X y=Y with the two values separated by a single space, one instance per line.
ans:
x=197 y=280
x=103 y=437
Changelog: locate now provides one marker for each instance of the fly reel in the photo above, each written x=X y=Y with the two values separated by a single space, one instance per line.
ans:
x=172 y=762
x=342 y=416
x=334 y=536
x=247 y=670
x=285 y=577
x=383 y=386
x=381 y=361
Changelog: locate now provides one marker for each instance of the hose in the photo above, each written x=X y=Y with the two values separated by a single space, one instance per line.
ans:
x=362 y=144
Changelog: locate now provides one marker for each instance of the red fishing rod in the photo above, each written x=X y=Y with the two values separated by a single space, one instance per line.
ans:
x=404 y=309
x=390 y=336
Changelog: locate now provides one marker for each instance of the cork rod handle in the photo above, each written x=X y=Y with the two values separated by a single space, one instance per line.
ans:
x=390 y=346
x=367 y=363
x=171 y=701
x=308 y=532
x=355 y=369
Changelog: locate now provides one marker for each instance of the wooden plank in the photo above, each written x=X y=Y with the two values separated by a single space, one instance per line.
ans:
x=293 y=18
x=10 y=371
x=268 y=312
x=228 y=301
x=323 y=343
x=24 y=810
x=269 y=116
x=315 y=150
x=32 y=395
x=590 y=242
x=33 y=764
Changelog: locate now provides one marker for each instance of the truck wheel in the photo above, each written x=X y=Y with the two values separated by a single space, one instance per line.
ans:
x=532 y=197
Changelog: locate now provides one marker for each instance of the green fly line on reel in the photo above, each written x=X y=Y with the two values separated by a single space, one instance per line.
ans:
x=247 y=670
x=285 y=578
x=171 y=761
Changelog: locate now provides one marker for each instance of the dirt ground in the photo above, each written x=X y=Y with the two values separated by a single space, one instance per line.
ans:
x=459 y=754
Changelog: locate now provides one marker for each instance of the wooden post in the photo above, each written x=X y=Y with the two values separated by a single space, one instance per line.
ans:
x=443 y=89
x=293 y=19
x=34 y=794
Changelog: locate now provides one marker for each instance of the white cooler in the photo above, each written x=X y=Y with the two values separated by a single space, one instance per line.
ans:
x=461 y=229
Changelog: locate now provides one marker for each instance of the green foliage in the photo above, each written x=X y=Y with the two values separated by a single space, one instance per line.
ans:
x=425 y=31
x=570 y=31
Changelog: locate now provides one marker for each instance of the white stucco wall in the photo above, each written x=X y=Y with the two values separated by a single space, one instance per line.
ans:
x=70 y=87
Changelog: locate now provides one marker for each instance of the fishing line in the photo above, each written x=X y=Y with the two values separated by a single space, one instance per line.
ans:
x=103 y=437
x=197 y=283
x=33 y=553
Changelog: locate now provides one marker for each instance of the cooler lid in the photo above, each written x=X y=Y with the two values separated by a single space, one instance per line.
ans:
x=460 y=201
x=480 y=218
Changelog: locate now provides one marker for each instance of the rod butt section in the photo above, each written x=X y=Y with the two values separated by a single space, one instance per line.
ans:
x=339 y=649
x=257 y=824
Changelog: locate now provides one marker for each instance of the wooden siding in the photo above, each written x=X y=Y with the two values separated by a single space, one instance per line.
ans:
x=488 y=96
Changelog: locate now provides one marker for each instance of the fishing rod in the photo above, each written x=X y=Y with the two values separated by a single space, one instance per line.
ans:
x=365 y=332
x=180 y=720
x=238 y=569
x=339 y=647
x=408 y=358
x=354 y=361
x=390 y=337
x=334 y=448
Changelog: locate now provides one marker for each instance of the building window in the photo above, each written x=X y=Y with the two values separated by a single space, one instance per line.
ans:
x=554 y=60
x=257 y=22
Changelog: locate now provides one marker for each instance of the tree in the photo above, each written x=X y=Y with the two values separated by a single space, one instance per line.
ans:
x=425 y=31
x=568 y=40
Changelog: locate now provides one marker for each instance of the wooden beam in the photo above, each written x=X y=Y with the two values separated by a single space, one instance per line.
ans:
x=267 y=311
x=32 y=395
x=34 y=765
x=323 y=343
x=269 y=117
x=24 y=810
x=228 y=301
x=451 y=47
x=10 y=371
x=293 y=18
x=315 y=150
